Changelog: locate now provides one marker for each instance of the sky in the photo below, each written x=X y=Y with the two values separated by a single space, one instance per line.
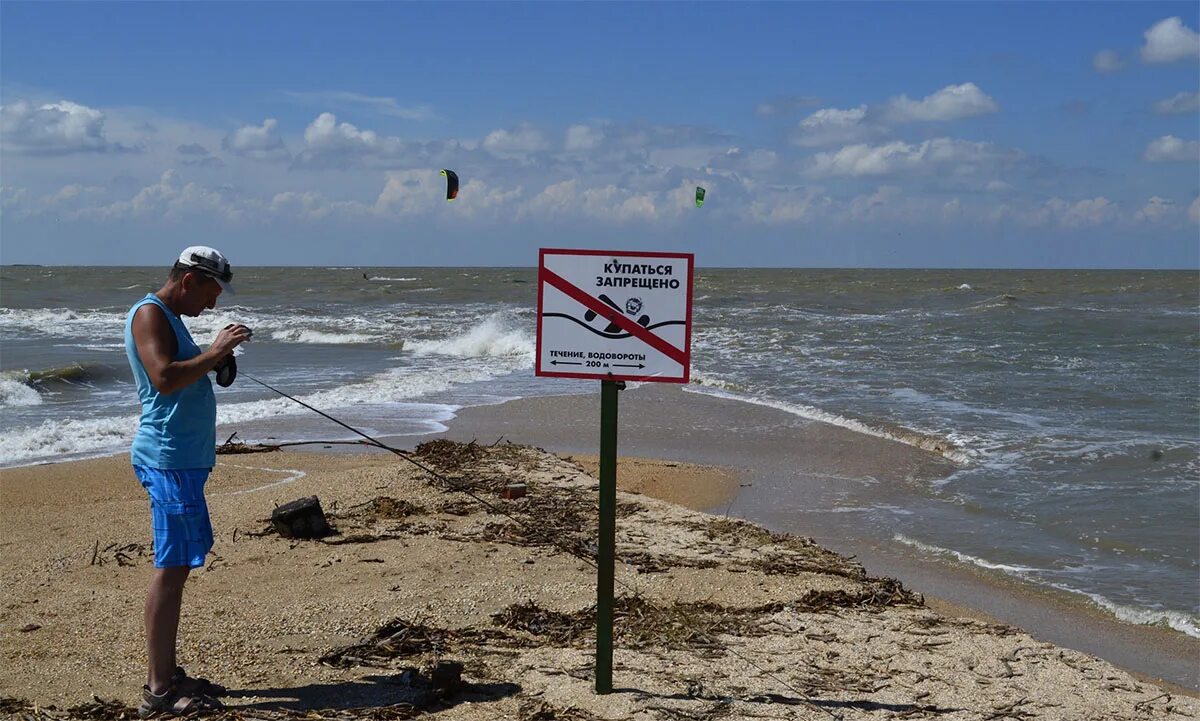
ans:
x=1039 y=135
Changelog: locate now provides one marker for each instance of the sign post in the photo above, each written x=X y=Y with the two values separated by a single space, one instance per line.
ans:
x=606 y=547
x=614 y=317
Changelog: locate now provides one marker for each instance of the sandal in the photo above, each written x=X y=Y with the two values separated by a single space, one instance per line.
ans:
x=174 y=702
x=202 y=686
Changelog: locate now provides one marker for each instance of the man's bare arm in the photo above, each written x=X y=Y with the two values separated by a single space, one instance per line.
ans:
x=155 y=343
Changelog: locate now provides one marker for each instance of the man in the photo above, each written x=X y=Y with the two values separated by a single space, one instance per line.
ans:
x=173 y=452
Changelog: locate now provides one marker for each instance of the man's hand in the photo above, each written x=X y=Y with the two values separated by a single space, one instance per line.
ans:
x=228 y=338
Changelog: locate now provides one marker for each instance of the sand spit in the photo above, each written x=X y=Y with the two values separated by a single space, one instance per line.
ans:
x=717 y=619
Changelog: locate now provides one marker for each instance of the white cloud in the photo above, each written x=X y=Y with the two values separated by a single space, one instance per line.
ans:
x=1181 y=102
x=313 y=206
x=758 y=160
x=518 y=142
x=1170 y=149
x=171 y=200
x=57 y=128
x=196 y=155
x=1170 y=40
x=782 y=206
x=309 y=205
x=1157 y=209
x=568 y=199
x=1193 y=210
x=1083 y=213
x=1092 y=211
x=831 y=126
x=1107 y=61
x=330 y=144
x=260 y=142
x=477 y=197
x=11 y=197
x=411 y=192
x=950 y=103
x=71 y=194
x=581 y=138
x=376 y=104
x=959 y=157
x=324 y=132
x=867 y=206
x=422 y=192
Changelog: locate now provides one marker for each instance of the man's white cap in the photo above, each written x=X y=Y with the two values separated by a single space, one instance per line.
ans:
x=208 y=261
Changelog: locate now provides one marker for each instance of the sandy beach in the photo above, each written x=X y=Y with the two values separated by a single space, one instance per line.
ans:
x=716 y=618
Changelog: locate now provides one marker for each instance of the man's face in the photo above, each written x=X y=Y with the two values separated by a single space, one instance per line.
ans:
x=200 y=293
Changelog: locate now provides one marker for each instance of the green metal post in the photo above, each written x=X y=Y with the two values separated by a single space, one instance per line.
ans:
x=608 y=528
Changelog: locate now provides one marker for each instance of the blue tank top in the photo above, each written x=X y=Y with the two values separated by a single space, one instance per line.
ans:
x=177 y=430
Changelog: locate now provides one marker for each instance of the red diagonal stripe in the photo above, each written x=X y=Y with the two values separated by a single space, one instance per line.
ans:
x=606 y=311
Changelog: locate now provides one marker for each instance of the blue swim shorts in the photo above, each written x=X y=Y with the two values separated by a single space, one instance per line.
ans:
x=182 y=530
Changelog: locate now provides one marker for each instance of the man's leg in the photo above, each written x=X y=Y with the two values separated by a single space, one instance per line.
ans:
x=161 y=619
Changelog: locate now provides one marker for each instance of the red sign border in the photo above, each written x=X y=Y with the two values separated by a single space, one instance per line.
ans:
x=687 y=334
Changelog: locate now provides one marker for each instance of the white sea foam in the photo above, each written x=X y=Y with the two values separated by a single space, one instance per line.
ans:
x=95 y=324
x=13 y=392
x=305 y=335
x=1179 y=620
x=96 y=329
x=1020 y=571
x=54 y=440
x=493 y=337
x=395 y=280
x=941 y=446
x=910 y=395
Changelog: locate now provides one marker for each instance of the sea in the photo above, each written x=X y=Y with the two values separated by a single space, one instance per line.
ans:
x=1068 y=401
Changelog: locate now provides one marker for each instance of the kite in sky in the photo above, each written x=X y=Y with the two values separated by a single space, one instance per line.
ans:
x=451 y=184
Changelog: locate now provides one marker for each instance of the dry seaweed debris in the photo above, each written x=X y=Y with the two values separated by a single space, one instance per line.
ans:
x=539 y=710
x=382 y=507
x=122 y=554
x=450 y=455
x=660 y=563
x=400 y=638
x=564 y=519
x=462 y=458
x=237 y=448
x=639 y=623
x=875 y=593
x=111 y=710
x=396 y=639
x=458 y=507
x=796 y=554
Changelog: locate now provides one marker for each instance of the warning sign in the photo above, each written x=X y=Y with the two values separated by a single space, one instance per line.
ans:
x=614 y=316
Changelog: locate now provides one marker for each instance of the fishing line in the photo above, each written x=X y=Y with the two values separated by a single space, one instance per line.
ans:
x=495 y=509
x=447 y=483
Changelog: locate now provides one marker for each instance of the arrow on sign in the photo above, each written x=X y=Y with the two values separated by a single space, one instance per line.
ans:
x=628 y=365
x=564 y=363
